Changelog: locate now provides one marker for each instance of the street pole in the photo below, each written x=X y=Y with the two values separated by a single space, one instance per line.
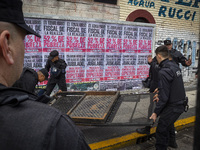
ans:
x=196 y=145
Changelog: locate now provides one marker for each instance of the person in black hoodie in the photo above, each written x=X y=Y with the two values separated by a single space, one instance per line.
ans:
x=153 y=75
x=57 y=67
x=176 y=55
x=30 y=78
x=25 y=123
x=171 y=99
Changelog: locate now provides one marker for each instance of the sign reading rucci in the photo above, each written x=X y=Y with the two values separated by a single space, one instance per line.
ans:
x=171 y=12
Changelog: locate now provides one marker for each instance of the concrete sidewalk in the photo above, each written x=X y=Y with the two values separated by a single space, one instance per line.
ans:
x=184 y=139
x=111 y=137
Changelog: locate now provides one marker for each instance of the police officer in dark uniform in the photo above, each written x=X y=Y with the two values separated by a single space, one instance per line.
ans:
x=30 y=78
x=170 y=99
x=57 y=72
x=153 y=72
x=176 y=55
x=25 y=123
x=153 y=75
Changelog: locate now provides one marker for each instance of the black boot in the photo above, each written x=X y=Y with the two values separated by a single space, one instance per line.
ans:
x=145 y=130
x=173 y=144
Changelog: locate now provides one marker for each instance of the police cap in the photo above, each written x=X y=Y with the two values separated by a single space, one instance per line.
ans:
x=53 y=54
x=45 y=73
x=167 y=42
x=11 y=11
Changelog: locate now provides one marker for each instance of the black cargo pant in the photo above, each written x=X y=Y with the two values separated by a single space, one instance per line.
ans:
x=53 y=81
x=165 y=129
x=150 y=111
x=153 y=86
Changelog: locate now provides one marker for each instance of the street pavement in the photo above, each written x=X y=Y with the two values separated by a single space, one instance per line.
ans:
x=184 y=139
x=131 y=114
x=125 y=136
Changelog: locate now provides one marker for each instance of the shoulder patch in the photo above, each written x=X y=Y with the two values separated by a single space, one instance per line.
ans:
x=178 y=73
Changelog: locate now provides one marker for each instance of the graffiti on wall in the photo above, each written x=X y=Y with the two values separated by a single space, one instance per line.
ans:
x=187 y=48
x=142 y=3
x=171 y=12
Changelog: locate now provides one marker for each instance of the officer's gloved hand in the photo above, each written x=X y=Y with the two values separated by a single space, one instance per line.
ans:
x=59 y=91
x=44 y=99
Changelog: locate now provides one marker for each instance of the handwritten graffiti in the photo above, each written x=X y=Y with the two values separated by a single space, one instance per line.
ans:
x=178 y=13
x=187 y=48
x=171 y=12
x=180 y=2
x=143 y=3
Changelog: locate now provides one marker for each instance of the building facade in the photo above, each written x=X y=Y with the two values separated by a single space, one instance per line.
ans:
x=56 y=19
x=177 y=20
x=72 y=8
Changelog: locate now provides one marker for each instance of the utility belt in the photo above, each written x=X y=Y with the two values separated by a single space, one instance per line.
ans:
x=182 y=102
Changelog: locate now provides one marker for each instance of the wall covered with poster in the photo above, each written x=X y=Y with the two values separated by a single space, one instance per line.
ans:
x=100 y=55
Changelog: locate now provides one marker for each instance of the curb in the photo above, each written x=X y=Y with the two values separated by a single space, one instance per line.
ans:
x=131 y=139
x=190 y=88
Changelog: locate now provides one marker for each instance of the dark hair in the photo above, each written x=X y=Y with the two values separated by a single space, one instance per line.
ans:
x=53 y=54
x=163 y=51
x=44 y=72
x=167 y=42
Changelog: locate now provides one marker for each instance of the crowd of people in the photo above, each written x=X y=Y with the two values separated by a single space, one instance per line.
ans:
x=26 y=123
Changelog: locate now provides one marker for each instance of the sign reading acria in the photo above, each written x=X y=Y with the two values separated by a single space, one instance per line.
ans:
x=172 y=12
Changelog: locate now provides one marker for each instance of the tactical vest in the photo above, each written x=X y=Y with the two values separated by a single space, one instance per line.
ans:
x=25 y=124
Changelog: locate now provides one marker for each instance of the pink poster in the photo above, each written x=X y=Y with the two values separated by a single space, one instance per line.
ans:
x=101 y=53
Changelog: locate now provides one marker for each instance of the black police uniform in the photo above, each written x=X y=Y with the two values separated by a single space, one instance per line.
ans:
x=171 y=102
x=178 y=57
x=30 y=125
x=28 y=80
x=153 y=73
x=57 y=75
x=153 y=76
